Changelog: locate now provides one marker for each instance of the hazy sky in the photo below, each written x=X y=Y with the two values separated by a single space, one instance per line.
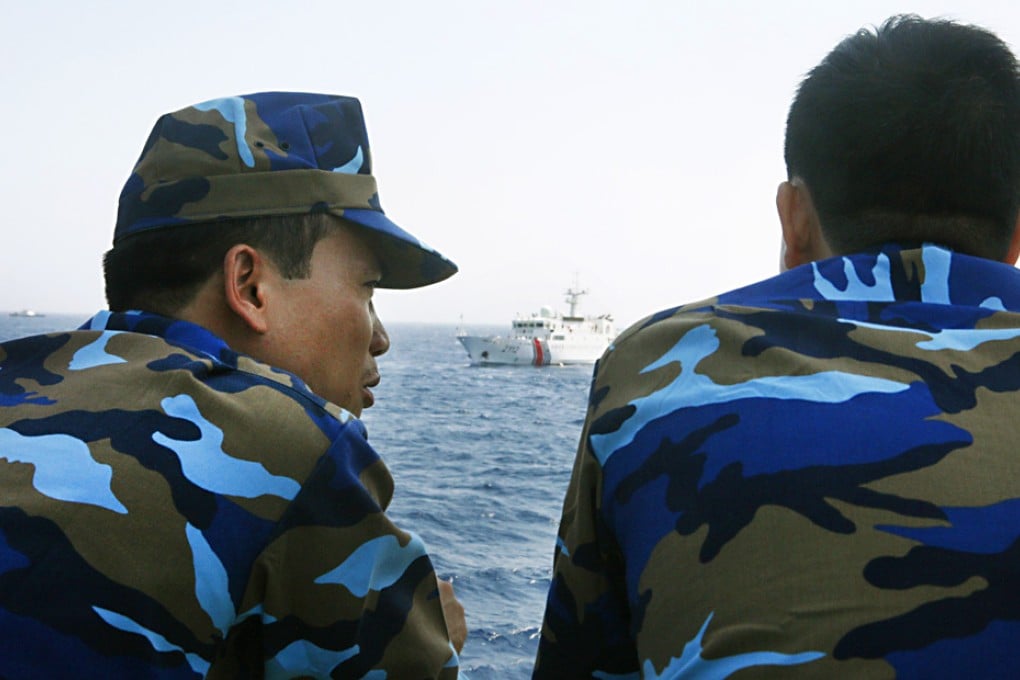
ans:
x=635 y=144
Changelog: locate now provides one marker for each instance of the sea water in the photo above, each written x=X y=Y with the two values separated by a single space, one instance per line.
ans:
x=481 y=457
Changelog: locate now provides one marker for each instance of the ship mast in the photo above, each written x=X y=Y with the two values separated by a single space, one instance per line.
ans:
x=573 y=293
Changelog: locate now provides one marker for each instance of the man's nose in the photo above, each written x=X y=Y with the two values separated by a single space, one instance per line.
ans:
x=380 y=338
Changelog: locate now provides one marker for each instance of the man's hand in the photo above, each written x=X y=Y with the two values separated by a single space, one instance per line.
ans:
x=456 y=625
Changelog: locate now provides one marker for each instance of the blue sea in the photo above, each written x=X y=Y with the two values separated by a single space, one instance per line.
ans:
x=481 y=457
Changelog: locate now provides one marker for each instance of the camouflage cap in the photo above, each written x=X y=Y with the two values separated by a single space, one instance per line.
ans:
x=270 y=153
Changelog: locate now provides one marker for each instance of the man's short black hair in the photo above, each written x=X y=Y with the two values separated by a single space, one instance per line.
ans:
x=162 y=270
x=911 y=133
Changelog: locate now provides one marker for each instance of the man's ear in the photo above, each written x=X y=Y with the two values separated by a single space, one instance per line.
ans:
x=245 y=273
x=802 y=232
x=1014 y=244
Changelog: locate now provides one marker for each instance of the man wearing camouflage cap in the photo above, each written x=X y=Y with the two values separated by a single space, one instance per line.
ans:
x=186 y=487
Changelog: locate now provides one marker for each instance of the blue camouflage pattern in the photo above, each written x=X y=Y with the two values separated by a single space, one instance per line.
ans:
x=270 y=153
x=813 y=476
x=173 y=509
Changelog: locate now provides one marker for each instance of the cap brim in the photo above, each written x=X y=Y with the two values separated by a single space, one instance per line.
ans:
x=406 y=261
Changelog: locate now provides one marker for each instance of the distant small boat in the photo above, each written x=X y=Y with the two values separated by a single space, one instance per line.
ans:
x=26 y=312
x=545 y=338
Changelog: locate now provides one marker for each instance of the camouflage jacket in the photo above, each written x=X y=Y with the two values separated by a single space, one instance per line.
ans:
x=172 y=509
x=814 y=476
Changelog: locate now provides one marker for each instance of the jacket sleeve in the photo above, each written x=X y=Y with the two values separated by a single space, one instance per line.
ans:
x=586 y=628
x=341 y=591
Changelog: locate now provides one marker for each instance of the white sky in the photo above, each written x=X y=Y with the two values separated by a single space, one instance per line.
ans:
x=636 y=143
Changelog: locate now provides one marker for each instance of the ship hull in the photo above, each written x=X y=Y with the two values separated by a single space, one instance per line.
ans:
x=502 y=351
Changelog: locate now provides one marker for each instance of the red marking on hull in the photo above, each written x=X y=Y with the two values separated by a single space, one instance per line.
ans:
x=538 y=352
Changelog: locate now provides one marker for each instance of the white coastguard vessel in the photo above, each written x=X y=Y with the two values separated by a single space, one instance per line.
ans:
x=545 y=338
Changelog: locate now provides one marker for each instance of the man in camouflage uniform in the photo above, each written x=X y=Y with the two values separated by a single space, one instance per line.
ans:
x=816 y=475
x=185 y=487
